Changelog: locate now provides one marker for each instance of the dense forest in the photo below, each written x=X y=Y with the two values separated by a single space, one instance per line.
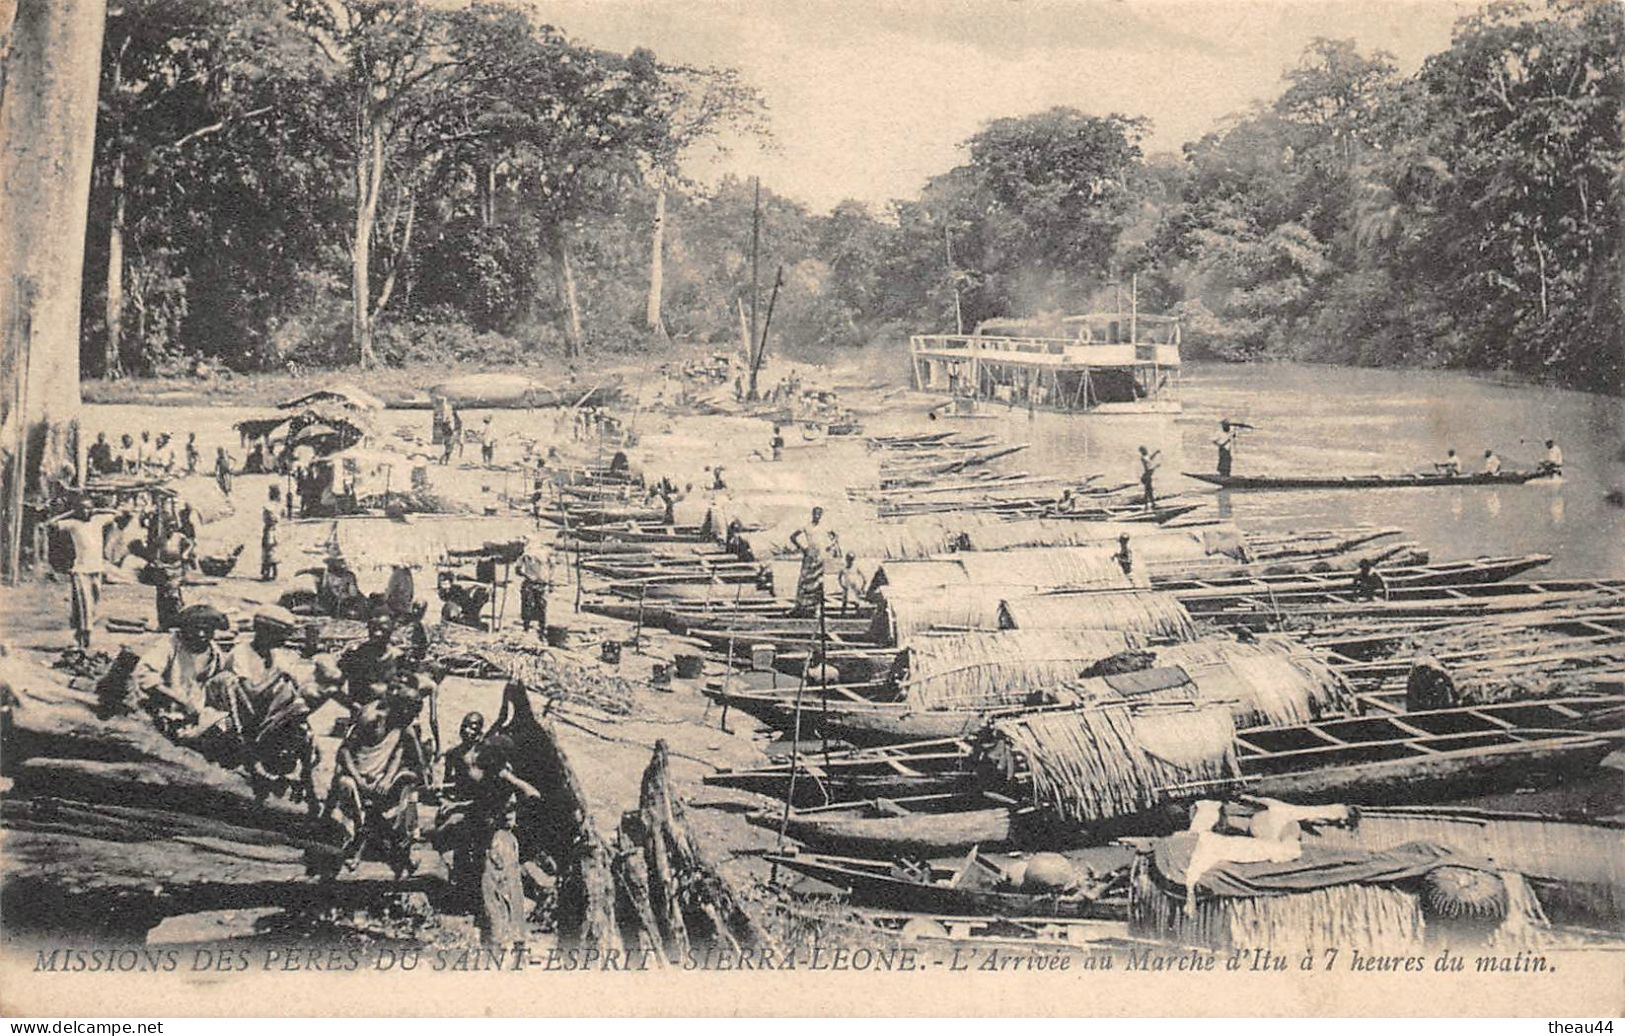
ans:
x=328 y=182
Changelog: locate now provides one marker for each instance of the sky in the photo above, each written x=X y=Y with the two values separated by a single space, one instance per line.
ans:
x=867 y=99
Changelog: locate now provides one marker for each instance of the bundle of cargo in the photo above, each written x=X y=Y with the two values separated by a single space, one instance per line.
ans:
x=1225 y=891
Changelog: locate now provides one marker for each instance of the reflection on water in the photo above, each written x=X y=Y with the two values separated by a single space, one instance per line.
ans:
x=1333 y=420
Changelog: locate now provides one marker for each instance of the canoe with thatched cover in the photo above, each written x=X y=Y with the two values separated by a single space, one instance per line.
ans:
x=1097 y=765
x=998 y=667
x=1575 y=864
x=1149 y=613
x=1046 y=568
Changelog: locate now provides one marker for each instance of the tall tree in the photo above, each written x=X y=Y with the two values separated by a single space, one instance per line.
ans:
x=575 y=124
x=395 y=65
x=47 y=146
x=168 y=71
x=692 y=106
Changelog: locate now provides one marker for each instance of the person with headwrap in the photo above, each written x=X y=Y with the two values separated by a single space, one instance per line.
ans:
x=380 y=769
x=177 y=679
x=270 y=705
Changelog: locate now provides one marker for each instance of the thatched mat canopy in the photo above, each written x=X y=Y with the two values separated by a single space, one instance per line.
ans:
x=1005 y=667
x=1151 y=614
x=1096 y=764
x=1056 y=568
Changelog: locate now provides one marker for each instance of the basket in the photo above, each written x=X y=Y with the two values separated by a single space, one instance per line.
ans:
x=690 y=667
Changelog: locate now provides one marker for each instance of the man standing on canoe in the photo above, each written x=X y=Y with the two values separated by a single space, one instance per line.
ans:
x=1148 y=470
x=810 y=581
x=1226 y=442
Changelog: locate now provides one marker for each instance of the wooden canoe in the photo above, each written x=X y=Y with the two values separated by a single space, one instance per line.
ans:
x=859 y=722
x=890 y=771
x=937 y=889
x=1404 y=481
x=920 y=824
x=1414 y=757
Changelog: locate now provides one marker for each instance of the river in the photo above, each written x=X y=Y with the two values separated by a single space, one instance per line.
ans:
x=1312 y=419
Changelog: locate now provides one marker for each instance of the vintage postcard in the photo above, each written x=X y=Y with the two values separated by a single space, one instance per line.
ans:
x=976 y=507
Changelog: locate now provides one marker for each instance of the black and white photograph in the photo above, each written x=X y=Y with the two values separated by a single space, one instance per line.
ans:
x=878 y=508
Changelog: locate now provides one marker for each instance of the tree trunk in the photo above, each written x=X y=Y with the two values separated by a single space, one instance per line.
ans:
x=657 y=264
x=369 y=173
x=112 y=358
x=52 y=62
x=567 y=286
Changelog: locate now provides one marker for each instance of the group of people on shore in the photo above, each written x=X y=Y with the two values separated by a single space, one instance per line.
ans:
x=250 y=706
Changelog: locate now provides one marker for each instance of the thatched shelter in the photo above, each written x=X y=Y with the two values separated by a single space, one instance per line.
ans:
x=1266 y=685
x=1005 y=667
x=344 y=394
x=1060 y=568
x=1151 y=614
x=900 y=615
x=1149 y=544
x=1101 y=763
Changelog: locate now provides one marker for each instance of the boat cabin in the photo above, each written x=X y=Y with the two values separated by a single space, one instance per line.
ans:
x=1088 y=363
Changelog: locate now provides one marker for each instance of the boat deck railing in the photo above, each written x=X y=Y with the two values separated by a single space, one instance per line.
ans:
x=1046 y=351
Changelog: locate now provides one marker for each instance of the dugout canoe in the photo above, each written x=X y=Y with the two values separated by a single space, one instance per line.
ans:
x=1466 y=572
x=1416 y=757
x=965 y=889
x=855 y=720
x=916 y=768
x=920 y=824
x=1404 y=481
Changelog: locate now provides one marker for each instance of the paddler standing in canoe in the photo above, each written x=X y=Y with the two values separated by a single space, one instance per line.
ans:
x=1226 y=442
x=1148 y=470
x=810 y=581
